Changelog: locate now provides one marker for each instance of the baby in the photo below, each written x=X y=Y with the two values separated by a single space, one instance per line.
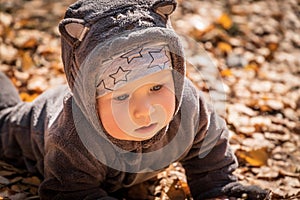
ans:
x=128 y=113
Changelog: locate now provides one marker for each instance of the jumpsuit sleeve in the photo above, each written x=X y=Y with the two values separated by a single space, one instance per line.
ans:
x=23 y=124
x=210 y=162
x=71 y=172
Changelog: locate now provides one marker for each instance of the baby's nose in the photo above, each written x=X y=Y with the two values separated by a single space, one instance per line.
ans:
x=142 y=112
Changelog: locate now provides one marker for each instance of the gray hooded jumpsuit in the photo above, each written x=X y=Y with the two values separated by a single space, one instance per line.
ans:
x=60 y=135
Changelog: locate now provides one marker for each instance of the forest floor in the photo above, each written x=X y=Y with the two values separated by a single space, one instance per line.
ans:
x=243 y=54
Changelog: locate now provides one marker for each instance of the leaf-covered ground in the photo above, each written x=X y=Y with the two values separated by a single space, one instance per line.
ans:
x=254 y=46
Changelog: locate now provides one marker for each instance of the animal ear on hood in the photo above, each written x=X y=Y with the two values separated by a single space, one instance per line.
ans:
x=164 y=8
x=73 y=29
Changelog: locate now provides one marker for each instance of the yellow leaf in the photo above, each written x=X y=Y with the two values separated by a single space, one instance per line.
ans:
x=255 y=157
x=27 y=97
x=186 y=188
x=225 y=21
x=224 y=47
x=252 y=66
x=226 y=72
x=266 y=97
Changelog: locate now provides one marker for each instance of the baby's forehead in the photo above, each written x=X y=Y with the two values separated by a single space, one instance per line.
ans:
x=131 y=65
x=163 y=77
x=159 y=77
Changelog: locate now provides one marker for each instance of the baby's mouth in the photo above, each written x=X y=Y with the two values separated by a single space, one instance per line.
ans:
x=146 y=129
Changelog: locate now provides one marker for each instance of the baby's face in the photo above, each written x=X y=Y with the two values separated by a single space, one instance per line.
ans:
x=138 y=110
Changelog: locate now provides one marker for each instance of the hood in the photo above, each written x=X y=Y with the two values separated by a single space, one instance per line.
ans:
x=93 y=31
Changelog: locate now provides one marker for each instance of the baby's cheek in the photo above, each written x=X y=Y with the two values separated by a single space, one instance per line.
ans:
x=109 y=123
x=167 y=100
x=105 y=115
x=165 y=107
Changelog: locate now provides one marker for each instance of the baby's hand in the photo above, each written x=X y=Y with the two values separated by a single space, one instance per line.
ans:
x=237 y=190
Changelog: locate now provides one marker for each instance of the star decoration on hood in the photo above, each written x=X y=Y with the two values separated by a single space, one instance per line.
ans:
x=102 y=85
x=132 y=55
x=120 y=75
x=157 y=58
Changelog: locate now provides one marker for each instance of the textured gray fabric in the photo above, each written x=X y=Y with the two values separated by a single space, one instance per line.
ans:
x=72 y=172
x=71 y=167
x=8 y=95
x=52 y=134
x=85 y=84
x=115 y=27
x=23 y=126
x=105 y=19
x=132 y=65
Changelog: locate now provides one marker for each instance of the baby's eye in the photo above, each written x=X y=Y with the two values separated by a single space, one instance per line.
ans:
x=121 y=97
x=156 y=87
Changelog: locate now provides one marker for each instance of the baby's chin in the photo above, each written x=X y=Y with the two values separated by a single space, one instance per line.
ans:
x=133 y=132
x=141 y=133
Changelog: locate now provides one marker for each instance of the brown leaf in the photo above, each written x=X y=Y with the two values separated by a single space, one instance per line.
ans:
x=6 y=173
x=26 y=60
x=57 y=67
x=260 y=123
x=5 y=25
x=37 y=84
x=8 y=53
x=257 y=142
x=34 y=181
x=24 y=23
x=268 y=173
x=18 y=196
x=47 y=52
x=30 y=43
x=19 y=188
x=176 y=191
x=5 y=19
x=273 y=46
x=261 y=86
x=4 y=68
x=290 y=174
x=9 y=167
x=241 y=108
x=274 y=104
x=21 y=76
x=3 y=180
x=34 y=190
x=248 y=130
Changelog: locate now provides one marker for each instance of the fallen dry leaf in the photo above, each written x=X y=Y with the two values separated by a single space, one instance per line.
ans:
x=254 y=46
x=3 y=180
x=27 y=97
x=26 y=60
x=37 y=84
x=225 y=21
x=254 y=157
